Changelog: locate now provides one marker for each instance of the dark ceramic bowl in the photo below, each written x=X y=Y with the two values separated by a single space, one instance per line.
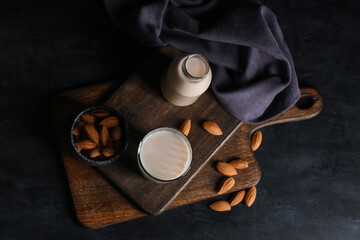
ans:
x=119 y=151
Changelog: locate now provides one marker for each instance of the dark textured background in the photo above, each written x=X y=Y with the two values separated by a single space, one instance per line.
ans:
x=311 y=169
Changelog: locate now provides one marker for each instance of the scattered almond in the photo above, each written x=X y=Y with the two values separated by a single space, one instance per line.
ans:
x=250 y=196
x=239 y=164
x=116 y=133
x=237 y=198
x=220 y=206
x=77 y=128
x=104 y=135
x=85 y=144
x=256 y=139
x=94 y=153
x=212 y=127
x=100 y=113
x=226 y=185
x=87 y=118
x=185 y=127
x=91 y=133
x=226 y=169
x=110 y=122
x=108 y=152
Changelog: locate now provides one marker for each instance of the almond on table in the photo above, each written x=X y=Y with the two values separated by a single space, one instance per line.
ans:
x=237 y=198
x=250 y=196
x=220 y=206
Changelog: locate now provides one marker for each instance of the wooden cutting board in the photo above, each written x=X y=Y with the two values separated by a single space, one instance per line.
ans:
x=97 y=203
x=140 y=102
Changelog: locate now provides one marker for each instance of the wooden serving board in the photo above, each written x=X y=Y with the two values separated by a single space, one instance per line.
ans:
x=97 y=203
x=144 y=109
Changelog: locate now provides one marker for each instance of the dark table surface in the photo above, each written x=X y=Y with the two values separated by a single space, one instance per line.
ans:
x=310 y=170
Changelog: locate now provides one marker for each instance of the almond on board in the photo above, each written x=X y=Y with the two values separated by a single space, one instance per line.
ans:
x=226 y=184
x=212 y=128
x=239 y=163
x=256 y=139
x=185 y=127
x=226 y=169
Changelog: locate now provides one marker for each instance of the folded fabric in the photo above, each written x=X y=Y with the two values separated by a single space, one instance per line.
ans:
x=253 y=73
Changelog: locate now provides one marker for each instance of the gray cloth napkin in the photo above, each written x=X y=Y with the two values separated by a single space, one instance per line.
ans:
x=253 y=73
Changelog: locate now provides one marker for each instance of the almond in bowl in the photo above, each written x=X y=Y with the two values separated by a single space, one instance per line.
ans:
x=99 y=135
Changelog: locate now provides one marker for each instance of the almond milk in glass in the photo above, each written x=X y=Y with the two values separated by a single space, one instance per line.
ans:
x=186 y=79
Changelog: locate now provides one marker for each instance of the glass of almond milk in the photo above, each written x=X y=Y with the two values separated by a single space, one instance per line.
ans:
x=164 y=155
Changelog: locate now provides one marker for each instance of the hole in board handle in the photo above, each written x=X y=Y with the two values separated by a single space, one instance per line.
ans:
x=306 y=101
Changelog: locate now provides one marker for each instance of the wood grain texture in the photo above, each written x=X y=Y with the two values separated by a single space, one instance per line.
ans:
x=97 y=203
x=144 y=108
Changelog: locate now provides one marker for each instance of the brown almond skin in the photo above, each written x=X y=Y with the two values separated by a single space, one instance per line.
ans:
x=250 y=196
x=108 y=152
x=85 y=144
x=226 y=169
x=212 y=128
x=239 y=164
x=220 y=206
x=87 y=118
x=104 y=135
x=185 y=127
x=94 y=153
x=110 y=122
x=77 y=128
x=237 y=198
x=116 y=133
x=226 y=185
x=256 y=139
x=78 y=148
x=91 y=133
x=100 y=113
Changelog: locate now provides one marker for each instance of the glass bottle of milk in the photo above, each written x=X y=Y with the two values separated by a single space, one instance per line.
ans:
x=186 y=79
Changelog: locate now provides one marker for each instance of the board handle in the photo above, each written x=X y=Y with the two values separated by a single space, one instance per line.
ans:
x=309 y=105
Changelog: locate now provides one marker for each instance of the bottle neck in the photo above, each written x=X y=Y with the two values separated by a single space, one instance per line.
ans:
x=195 y=67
